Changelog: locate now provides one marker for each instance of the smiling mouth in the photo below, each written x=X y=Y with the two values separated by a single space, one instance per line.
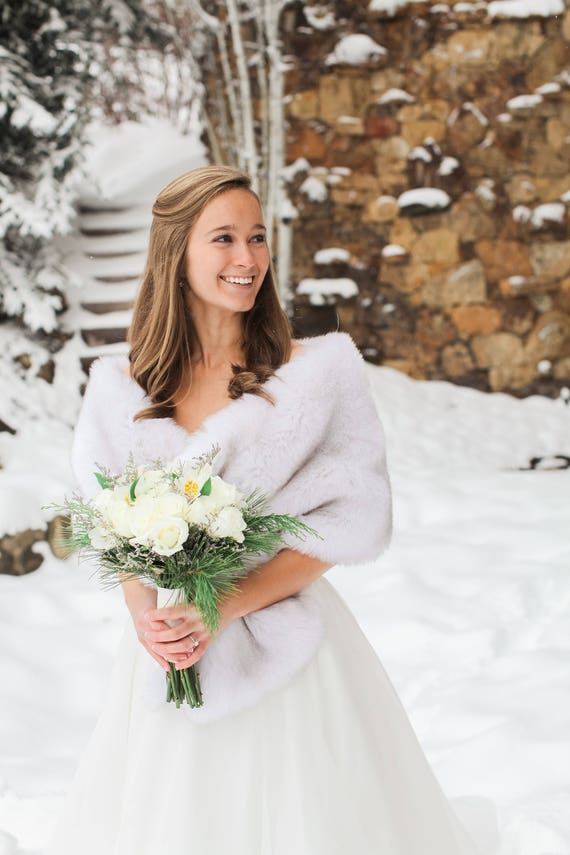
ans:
x=238 y=280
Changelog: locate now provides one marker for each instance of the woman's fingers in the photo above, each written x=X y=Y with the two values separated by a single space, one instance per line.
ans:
x=192 y=658
x=180 y=612
x=174 y=633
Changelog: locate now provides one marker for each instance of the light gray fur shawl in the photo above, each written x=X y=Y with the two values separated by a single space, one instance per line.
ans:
x=317 y=452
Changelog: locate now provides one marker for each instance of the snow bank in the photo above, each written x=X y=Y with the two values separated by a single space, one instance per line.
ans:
x=318 y=289
x=525 y=8
x=355 y=49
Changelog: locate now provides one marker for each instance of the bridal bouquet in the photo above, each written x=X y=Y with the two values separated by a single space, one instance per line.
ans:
x=179 y=527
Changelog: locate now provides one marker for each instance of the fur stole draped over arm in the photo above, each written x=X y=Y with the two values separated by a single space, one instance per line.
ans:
x=316 y=452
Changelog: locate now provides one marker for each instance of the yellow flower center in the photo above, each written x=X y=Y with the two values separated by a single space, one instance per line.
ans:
x=191 y=488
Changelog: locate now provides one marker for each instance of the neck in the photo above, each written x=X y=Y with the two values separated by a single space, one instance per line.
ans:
x=220 y=335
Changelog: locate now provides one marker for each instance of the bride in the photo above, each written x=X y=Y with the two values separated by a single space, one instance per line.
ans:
x=302 y=745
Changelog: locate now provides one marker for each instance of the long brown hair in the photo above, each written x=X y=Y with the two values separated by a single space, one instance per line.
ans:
x=162 y=335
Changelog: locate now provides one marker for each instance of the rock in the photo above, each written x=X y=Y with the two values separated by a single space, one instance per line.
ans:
x=17 y=556
x=306 y=141
x=503 y=258
x=561 y=369
x=511 y=375
x=519 y=316
x=434 y=329
x=352 y=126
x=497 y=349
x=456 y=360
x=47 y=371
x=550 y=338
x=566 y=25
x=471 y=222
x=383 y=209
x=416 y=132
x=557 y=134
x=335 y=98
x=378 y=124
x=475 y=320
x=465 y=284
x=467 y=128
x=522 y=190
x=304 y=105
x=438 y=246
x=551 y=260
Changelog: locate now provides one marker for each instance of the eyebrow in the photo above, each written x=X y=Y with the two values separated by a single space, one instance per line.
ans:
x=233 y=228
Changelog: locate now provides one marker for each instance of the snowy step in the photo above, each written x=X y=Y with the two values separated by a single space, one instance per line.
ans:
x=110 y=320
x=110 y=222
x=114 y=269
x=119 y=292
x=114 y=244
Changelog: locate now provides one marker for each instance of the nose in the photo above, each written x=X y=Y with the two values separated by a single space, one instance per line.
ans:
x=243 y=255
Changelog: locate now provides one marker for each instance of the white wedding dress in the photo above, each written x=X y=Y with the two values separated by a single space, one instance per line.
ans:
x=326 y=765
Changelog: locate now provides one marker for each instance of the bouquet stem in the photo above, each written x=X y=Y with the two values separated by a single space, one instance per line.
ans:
x=184 y=685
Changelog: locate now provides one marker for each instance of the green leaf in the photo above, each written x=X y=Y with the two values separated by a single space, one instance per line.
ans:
x=103 y=481
x=206 y=488
x=132 y=490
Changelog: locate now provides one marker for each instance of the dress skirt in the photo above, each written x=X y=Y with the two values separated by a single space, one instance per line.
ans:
x=325 y=765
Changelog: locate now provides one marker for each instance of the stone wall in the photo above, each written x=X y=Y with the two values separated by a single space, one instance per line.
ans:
x=469 y=281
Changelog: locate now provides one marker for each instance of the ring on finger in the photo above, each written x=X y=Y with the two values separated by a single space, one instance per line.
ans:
x=195 y=642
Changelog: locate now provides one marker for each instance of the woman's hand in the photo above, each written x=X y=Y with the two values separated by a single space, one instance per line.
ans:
x=177 y=643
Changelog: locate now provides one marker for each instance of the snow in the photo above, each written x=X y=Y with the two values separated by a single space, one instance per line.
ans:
x=330 y=255
x=292 y=170
x=319 y=17
x=551 y=212
x=551 y=88
x=468 y=612
x=439 y=9
x=522 y=214
x=524 y=102
x=29 y=114
x=525 y=8
x=393 y=250
x=315 y=189
x=288 y=211
x=565 y=197
x=427 y=197
x=389 y=7
x=420 y=153
x=319 y=289
x=396 y=96
x=355 y=49
x=448 y=166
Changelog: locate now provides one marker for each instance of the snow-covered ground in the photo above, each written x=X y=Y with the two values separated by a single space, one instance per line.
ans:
x=468 y=612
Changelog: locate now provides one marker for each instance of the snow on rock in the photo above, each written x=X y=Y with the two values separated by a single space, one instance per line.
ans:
x=420 y=153
x=314 y=188
x=429 y=198
x=396 y=96
x=319 y=17
x=393 y=250
x=439 y=9
x=292 y=170
x=525 y=8
x=319 y=289
x=550 y=212
x=565 y=197
x=288 y=211
x=355 y=49
x=522 y=214
x=330 y=255
x=389 y=7
x=551 y=88
x=524 y=102
x=448 y=166
x=469 y=8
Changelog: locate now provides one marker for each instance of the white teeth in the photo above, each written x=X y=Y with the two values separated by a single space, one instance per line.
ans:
x=236 y=280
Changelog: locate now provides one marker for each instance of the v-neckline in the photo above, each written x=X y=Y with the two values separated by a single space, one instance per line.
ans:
x=201 y=429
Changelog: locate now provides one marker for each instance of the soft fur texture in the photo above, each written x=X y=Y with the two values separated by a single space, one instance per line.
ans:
x=317 y=453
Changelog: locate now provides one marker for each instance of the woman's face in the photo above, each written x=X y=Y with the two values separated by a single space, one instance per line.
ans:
x=226 y=254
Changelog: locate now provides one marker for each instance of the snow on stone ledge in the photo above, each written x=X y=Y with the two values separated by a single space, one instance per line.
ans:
x=525 y=8
x=314 y=188
x=330 y=255
x=394 y=250
x=389 y=7
x=355 y=49
x=319 y=289
x=319 y=17
x=448 y=166
x=396 y=96
x=424 y=197
x=524 y=102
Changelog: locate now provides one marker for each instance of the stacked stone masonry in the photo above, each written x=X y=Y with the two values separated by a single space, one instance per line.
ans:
x=469 y=278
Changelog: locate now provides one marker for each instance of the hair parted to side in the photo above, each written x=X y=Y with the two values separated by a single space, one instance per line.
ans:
x=162 y=336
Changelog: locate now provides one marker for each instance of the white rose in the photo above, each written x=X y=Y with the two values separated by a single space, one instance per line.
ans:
x=118 y=510
x=152 y=481
x=198 y=511
x=170 y=505
x=101 y=538
x=224 y=494
x=228 y=522
x=167 y=535
x=143 y=514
